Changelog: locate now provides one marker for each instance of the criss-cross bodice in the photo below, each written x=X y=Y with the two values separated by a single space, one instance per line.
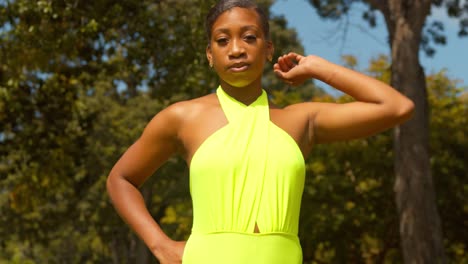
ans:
x=250 y=172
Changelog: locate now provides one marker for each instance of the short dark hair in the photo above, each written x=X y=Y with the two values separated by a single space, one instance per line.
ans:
x=225 y=5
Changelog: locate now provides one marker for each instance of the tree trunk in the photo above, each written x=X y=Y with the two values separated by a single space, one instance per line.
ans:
x=420 y=229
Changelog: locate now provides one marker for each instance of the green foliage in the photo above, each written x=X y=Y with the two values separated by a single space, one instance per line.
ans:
x=348 y=202
x=449 y=148
x=348 y=213
x=79 y=80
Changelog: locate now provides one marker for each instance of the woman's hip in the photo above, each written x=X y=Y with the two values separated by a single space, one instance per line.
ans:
x=235 y=248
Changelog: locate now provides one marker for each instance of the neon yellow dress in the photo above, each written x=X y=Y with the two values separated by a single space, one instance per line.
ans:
x=250 y=172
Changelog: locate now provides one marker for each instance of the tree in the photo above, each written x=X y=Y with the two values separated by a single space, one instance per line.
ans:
x=420 y=227
x=78 y=82
x=348 y=215
x=449 y=145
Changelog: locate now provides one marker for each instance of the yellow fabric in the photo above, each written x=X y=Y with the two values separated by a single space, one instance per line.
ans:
x=250 y=172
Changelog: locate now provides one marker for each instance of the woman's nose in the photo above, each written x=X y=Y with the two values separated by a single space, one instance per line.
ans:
x=236 y=49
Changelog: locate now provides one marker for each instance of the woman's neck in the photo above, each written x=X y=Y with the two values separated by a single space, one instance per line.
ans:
x=246 y=95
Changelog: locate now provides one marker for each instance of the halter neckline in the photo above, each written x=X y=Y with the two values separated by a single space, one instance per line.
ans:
x=260 y=99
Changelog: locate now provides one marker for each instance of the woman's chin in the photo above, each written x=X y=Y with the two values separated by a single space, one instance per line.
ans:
x=241 y=82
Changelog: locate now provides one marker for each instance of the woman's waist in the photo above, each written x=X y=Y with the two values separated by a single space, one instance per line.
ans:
x=230 y=247
x=238 y=233
x=244 y=224
x=245 y=241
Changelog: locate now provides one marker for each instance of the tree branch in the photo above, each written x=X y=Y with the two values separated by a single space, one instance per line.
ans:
x=380 y=5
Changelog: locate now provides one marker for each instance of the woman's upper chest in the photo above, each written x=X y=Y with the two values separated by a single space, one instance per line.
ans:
x=203 y=122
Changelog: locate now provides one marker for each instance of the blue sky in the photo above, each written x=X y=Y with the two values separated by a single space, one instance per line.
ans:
x=326 y=38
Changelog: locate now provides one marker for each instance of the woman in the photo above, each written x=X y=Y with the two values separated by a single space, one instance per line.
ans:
x=246 y=156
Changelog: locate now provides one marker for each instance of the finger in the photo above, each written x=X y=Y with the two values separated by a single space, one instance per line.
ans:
x=279 y=74
x=283 y=66
x=299 y=58
x=282 y=77
x=290 y=63
x=280 y=63
x=295 y=57
x=276 y=67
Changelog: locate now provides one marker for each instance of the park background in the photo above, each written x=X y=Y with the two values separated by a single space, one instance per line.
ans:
x=80 y=79
x=352 y=35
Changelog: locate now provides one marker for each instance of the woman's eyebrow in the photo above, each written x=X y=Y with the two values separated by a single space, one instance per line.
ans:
x=243 y=28
x=249 y=27
x=221 y=30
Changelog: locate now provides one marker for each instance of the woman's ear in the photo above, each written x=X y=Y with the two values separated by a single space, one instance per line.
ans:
x=209 y=56
x=270 y=50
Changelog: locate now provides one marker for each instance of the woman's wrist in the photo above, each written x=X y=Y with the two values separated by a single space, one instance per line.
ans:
x=157 y=247
x=321 y=69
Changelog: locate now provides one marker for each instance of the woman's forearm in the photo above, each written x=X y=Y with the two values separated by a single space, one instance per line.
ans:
x=294 y=69
x=129 y=203
x=360 y=86
x=378 y=107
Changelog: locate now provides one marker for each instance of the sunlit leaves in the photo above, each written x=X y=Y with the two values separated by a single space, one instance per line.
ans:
x=348 y=212
x=79 y=80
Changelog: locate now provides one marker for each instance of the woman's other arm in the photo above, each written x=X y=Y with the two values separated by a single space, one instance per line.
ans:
x=378 y=106
x=157 y=143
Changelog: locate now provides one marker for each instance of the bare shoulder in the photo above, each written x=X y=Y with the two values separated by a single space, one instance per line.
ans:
x=190 y=109
x=172 y=119
x=181 y=111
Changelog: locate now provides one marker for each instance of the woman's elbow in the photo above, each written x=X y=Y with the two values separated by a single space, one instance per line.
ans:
x=405 y=110
x=110 y=182
x=117 y=181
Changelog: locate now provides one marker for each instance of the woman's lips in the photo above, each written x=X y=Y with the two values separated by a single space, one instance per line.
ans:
x=239 y=67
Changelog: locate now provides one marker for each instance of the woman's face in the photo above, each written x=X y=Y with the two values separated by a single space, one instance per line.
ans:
x=238 y=47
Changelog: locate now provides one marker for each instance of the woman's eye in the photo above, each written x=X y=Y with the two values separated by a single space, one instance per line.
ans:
x=250 y=38
x=222 y=41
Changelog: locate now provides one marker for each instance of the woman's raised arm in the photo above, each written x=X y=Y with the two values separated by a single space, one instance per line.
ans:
x=378 y=106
